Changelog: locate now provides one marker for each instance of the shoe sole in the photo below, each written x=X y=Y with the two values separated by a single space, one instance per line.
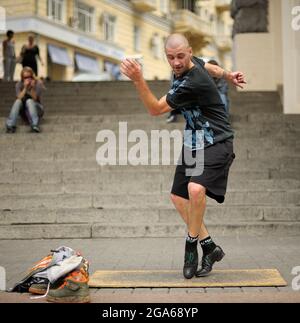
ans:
x=37 y=291
x=190 y=277
x=221 y=256
x=69 y=299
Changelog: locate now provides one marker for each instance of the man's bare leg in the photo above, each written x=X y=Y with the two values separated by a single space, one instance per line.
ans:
x=192 y=212
x=182 y=206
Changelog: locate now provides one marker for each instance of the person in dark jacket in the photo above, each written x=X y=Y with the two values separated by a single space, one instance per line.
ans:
x=30 y=53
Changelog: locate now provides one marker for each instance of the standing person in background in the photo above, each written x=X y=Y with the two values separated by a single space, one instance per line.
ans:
x=222 y=86
x=9 y=56
x=172 y=116
x=29 y=55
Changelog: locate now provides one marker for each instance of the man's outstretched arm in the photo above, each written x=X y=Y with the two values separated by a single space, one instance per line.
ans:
x=236 y=78
x=132 y=70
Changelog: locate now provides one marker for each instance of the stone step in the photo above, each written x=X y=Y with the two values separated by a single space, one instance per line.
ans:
x=69 y=133
x=118 y=177
x=179 y=230
x=128 y=100
x=118 y=181
x=213 y=214
x=67 y=107
x=139 y=200
x=239 y=165
x=48 y=231
x=71 y=231
x=59 y=141
x=143 y=120
x=91 y=152
x=90 y=175
x=103 y=87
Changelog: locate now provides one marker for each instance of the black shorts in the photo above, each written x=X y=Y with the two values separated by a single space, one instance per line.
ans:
x=217 y=161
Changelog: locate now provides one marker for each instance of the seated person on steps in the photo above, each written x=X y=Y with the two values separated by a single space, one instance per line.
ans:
x=28 y=102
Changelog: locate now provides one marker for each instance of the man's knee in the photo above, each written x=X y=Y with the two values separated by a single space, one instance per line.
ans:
x=174 y=198
x=196 y=191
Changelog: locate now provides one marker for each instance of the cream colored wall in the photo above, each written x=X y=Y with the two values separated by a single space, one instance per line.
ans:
x=254 y=57
x=291 y=58
x=125 y=23
x=18 y=8
x=259 y=55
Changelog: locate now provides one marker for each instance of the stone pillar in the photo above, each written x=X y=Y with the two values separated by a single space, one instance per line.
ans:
x=250 y=16
x=291 y=55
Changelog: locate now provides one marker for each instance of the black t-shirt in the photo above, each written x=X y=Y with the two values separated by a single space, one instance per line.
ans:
x=196 y=96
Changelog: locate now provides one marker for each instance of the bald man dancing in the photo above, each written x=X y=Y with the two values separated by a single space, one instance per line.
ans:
x=195 y=95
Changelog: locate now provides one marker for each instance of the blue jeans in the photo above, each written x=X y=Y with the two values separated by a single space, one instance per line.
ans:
x=34 y=111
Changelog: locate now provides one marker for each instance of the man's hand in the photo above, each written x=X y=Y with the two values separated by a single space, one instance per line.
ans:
x=236 y=78
x=132 y=69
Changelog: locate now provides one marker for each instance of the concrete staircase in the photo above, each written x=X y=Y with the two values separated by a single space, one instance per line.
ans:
x=52 y=187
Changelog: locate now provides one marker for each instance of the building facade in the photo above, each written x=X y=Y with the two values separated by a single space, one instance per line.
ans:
x=90 y=37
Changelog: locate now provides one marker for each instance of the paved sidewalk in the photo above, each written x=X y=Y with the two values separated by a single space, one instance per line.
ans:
x=282 y=253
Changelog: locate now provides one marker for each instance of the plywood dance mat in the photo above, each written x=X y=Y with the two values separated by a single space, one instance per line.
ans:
x=174 y=278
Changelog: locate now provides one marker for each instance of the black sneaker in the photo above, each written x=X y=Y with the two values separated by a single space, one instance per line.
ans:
x=190 y=259
x=35 y=129
x=10 y=129
x=171 y=118
x=208 y=260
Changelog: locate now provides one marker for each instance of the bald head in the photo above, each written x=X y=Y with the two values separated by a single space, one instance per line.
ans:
x=176 y=40
x=179 y=53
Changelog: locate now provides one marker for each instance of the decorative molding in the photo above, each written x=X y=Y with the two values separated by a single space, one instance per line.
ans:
x=64 y=34
x=126 y=6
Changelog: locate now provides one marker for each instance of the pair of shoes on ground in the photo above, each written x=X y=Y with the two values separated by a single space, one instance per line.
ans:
x=10 y=129
x=191 y=261
x=71 y=289
x=13 y=129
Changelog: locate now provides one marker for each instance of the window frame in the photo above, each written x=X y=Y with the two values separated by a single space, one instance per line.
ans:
x=88 y=13
x=54 y=4
x=109 y=27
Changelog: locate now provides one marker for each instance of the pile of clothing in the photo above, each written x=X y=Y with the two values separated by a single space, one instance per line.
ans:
x=62 y=277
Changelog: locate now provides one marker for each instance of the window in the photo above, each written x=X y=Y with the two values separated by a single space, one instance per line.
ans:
x=137 y=38
x=85 y=17
x=56 y=10
x=109 y=27
x=164 y=6
x=156 y=46
x=187 y=4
